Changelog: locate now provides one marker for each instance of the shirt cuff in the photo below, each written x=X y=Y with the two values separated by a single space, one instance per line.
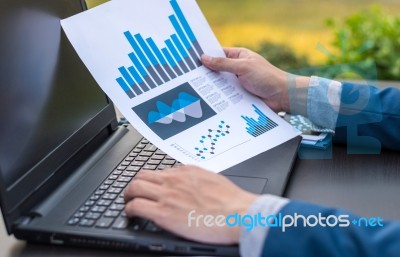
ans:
x=251 y=242
x=323 y=101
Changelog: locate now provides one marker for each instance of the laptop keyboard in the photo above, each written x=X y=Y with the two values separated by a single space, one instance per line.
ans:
x=104 y=209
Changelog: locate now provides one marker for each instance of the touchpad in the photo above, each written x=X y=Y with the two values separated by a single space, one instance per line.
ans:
x=254 y=185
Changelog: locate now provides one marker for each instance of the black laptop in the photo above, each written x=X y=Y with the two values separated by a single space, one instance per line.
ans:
x=64 y=157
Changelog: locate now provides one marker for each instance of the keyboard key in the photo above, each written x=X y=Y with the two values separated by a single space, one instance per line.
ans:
x=154 y=162
x=129 y=159
x=104 y=187
x=84 y=208
x=132 y=154
x=113 y=177
x=99 y=192
x=120 y=184
x=95 y=197
x=90 y=203
x=149 y=167
x=150 y=148
x=134 y=168
x=141 y=146
x=109 y=196
x=159 y=151
x=104 y=223
x=73 y=221
x=121 y=168
x=117 y=207
x=147 y=154
x=169 y=158
x=125 y=163
x=157 y=157
x=86 y=223
x=99 y=209
x=108 y=182
x=120 y=200
x=93 y=215
x=114 y=190
x=124 y=179
x=129 y=173
x=137 y=163
x=79 y=214
x=163 y=167
x=104 y=202
x=111 y=214
x=121 y=223
x=145 y=141
x=117 y=172
x=168 y=162
x=142 y=158
x=136 y=150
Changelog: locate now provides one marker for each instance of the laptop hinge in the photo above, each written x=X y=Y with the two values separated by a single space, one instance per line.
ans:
x=47 y=205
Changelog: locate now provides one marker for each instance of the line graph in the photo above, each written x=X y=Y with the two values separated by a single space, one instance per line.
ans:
x=209 y=142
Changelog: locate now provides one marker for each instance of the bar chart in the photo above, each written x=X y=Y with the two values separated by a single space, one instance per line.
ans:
x=152 y=66
x=260 y=126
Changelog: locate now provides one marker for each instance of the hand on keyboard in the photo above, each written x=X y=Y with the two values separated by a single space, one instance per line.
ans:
x=176 y=198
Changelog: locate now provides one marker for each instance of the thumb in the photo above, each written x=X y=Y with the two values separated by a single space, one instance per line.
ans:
x=220 y=63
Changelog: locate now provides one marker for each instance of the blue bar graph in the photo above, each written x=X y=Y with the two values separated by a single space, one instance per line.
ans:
x=153 y=65
x=260 y=126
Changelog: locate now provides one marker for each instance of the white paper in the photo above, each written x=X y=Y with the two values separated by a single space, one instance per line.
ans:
x=195 y=115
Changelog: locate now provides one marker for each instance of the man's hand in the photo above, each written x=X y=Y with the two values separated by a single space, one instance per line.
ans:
x=167 y=198
x=257 y=76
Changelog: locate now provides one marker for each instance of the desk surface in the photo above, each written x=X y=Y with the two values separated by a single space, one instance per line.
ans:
x=364 y=184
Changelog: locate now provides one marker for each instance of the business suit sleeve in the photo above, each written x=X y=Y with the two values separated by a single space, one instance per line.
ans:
x=327 y=241
x=369 y=118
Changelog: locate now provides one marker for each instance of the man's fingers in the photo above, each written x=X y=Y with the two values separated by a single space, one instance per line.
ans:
x=150 y=176
x=142 y=189
x=144 y=208
x=233 y=52
x=221 y=63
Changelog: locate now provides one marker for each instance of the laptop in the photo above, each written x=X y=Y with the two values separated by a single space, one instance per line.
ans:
x=65 y=159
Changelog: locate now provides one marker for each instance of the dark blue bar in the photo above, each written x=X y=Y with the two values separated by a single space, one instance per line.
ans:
x=172 y=48
x=180 y=47
x=156 y=51
x=183 y=20
x=137 y=64
x=180 y=32
x=126 y=76
x=137 y=49
x=123 y=84
x=146 y=49
x=135 y=75
x=169 y=57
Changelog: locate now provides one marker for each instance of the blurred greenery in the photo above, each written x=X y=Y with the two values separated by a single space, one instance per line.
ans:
x=371 y=36
x=292 y=33
x=282 y=56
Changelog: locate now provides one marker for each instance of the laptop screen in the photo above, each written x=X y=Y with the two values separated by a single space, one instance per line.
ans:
x=46 y=93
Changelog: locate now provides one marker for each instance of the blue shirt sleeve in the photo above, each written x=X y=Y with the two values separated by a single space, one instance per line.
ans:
x=354 y=238
x=369 y=118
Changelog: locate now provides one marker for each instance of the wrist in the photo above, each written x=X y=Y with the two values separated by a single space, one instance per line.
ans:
x=297 y=94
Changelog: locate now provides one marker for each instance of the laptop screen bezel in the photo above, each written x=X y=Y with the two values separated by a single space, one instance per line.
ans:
x=16 y=200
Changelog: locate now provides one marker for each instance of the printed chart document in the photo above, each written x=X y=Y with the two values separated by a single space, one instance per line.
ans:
x=145 y=54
